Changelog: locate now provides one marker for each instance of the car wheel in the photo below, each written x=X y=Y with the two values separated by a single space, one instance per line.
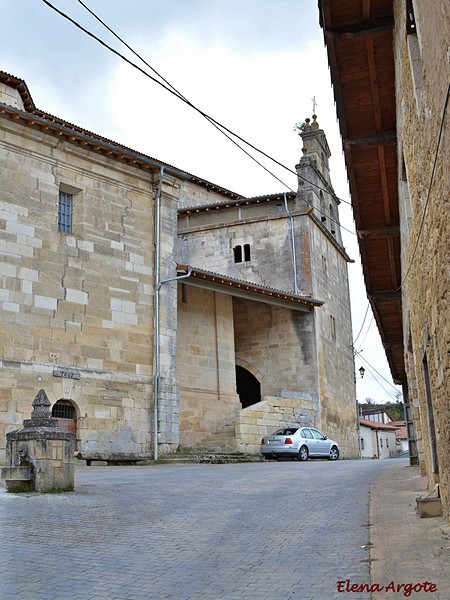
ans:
x=303 y=453
x=334 y=453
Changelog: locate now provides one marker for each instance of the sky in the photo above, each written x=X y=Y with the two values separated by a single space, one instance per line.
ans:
x=253 y=65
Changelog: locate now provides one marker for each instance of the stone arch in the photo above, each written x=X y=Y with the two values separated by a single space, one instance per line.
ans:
x=66 y=412
x=248 y=387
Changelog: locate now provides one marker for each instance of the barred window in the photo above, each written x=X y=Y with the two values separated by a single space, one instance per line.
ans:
x=63 y=409
x=65 y=212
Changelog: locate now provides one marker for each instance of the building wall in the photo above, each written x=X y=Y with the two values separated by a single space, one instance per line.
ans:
x=277 y=346
x=205 y=364
x=422 y=66
x=319 y=238
x=378 y=443
x=82 y=302
x=368 y=451
x=206 y=240
x=192 y=194
x=334 y=341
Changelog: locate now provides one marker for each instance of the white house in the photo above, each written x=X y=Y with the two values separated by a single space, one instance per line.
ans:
x=376 y=439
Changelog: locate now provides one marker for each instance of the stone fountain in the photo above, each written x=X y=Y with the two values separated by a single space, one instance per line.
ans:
x=40 y=455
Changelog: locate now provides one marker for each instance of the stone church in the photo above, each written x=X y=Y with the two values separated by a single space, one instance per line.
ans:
x=158 y=310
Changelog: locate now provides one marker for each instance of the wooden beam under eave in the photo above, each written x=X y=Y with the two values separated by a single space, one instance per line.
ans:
x=379 y=232
x=373 y=84
x=364 y=28
x=392 y=264
x=384 y=185
x=386 y=138
x=384 y=296
x=365 y=10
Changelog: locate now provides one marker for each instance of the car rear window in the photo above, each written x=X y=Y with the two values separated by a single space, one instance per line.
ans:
x=287 y=431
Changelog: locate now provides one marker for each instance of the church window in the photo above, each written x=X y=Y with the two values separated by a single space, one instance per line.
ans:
x=242 y=254
x=65 y=212
x=333 y=327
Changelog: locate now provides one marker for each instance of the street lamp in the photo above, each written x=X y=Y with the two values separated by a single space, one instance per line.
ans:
x=362 y=371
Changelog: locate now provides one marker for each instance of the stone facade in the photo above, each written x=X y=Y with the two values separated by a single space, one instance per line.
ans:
x=423 y=121
x=82 y=301
x=78 y=306
x=302 y=360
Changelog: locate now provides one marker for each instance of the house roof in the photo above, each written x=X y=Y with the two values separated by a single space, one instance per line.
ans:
x=244 y=289
x=238 y=202
x=74 y=134
x=401 y=429
x=375 y=425
x=359 y=41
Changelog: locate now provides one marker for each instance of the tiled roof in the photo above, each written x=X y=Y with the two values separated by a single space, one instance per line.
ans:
x=375 y=425
x=246 y=286
x=401 y=429
x=238 y=202
x=97 y=143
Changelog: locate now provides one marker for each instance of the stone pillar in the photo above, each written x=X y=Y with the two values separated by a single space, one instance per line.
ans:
x=40 y=455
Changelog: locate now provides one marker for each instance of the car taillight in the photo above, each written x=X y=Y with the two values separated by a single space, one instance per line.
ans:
x=262 y=442
x=288 y=441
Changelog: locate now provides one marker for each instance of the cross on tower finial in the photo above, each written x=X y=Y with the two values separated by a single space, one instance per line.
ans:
x=314 y=104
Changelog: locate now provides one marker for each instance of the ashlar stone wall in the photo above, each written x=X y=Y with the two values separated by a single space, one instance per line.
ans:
x=81 y=303
x=205 y=364
x=423 y=121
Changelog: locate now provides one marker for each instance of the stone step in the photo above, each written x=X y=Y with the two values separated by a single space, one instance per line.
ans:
x=206 y=456
x=221 y=440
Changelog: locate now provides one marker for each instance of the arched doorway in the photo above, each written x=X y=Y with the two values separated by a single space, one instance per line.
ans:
x=65 y=412
x=248 y=387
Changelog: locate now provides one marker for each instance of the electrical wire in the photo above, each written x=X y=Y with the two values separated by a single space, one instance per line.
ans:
x=364 y=320
x=180 y=95
x=209 y=118
x=222 y=128
x=366 y=334
x=371 y=367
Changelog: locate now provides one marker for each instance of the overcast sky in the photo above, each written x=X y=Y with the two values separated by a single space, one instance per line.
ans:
x=253 y=65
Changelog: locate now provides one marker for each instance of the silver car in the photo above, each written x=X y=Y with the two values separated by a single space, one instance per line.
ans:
x=300 y=443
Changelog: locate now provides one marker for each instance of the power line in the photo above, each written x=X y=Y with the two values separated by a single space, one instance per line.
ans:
x=364 y=320
x=209 y=118
x=366 y=334
x=371 y=367
x=169 y=88
x=179 y=94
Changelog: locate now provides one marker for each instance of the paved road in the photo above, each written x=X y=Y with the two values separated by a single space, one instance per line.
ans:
x=191 y=532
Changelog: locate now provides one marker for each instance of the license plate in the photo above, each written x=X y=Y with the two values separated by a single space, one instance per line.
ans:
x=273 y=441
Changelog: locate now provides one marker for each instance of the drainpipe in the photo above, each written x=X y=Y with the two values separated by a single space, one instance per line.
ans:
x=157 y=286
x=294 y=256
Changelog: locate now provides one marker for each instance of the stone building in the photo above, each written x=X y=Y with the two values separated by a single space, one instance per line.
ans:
x=389 y=64
x=238 y=323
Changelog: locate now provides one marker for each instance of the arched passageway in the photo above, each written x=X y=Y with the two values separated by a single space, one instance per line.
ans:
x=248 y=387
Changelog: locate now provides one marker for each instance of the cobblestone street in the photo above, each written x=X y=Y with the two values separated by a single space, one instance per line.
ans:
x=238 y=531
